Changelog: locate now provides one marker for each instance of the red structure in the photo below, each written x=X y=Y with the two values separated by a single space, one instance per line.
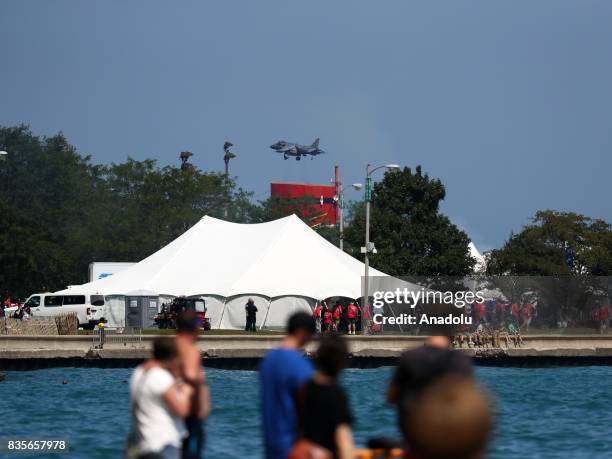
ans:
x=324 y=207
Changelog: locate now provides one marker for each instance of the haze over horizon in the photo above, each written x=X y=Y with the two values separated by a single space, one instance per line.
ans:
x=508 y=103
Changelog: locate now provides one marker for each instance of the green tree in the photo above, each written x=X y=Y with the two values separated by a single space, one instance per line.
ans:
x=412 y=236
x=562 y=258
x=60 y=212
x=540 y=249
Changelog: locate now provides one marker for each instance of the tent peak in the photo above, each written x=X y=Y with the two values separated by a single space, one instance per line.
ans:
x=288 y=218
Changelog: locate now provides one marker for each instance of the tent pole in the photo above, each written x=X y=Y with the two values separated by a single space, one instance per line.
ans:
x=266 y=316
x=222 y=312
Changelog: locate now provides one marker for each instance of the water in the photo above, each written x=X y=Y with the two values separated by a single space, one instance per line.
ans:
x=542 y=412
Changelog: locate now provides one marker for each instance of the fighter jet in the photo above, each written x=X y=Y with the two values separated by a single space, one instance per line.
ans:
x=297 y=150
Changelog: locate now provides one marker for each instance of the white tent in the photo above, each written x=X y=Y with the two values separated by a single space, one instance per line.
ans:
x=284 y=265
x=481 y=263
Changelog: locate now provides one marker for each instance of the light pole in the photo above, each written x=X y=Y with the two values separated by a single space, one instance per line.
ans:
x=369 y=246
x=227 y=156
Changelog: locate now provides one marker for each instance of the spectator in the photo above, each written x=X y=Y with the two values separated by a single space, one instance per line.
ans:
x=353 y=313
x=283 y=372
x=158 y=404
x=325 y=417
x=317 y=316
x=421 y=367
x=187 y=324
x=337 y=315
x=328 y=320
x=451 y=418
x=251 y=315
x=527 y=314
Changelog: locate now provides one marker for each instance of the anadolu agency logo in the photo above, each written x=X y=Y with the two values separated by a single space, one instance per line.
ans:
x=404 y=306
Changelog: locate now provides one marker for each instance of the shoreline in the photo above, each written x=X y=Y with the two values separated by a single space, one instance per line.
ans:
x=244 y=351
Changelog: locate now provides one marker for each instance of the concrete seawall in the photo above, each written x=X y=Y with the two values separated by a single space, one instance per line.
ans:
x=242 y=351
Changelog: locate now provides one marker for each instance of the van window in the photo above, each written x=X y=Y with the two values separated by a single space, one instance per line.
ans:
x=33 y=302
x=53 y=300
x=200 y=307
x=97 y=300
x=74 y=299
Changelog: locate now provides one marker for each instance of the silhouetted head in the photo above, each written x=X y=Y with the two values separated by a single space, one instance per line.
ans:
x=332 y=355
x=166 y=353
x=449 y=419
x=187 y=322
x=439 y=341
x=301 y=326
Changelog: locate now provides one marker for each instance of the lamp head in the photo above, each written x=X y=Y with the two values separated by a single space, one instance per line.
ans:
x=358 y=186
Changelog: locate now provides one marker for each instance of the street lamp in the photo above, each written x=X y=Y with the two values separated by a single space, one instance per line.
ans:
x=369 y=246
x=227 y=156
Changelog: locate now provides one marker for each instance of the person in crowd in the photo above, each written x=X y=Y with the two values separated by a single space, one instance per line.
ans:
x=317 y=316
x=328 y=320
x=526 y=315
x=513 y=334
x=192 y=372
x=450 y=418
x=324 y=414
x=251 y=315
x=353 y=312
x=514 y=311
x=604 y=317
x=159 y=402
x=481 y=311
x=283 y=372
x=337 y=315
x=418 y=368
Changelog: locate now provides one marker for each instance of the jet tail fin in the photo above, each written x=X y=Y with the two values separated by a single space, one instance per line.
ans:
x=315 y=144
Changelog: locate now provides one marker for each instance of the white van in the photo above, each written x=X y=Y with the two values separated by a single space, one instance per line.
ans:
x=50 y=304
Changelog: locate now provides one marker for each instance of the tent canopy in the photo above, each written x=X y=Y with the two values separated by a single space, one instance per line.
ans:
x=215 y=257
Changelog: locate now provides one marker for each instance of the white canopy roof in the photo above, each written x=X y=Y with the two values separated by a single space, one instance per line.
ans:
x=215 y=257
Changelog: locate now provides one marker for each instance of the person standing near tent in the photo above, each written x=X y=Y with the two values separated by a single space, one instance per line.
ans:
x=328 y=319
x=283 y=372
x=317 y=315
x=192 y=372
x=337 y=316
x=251 y=315
x=352 y=312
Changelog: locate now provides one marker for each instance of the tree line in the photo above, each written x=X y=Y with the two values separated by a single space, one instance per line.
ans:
x=59 y=212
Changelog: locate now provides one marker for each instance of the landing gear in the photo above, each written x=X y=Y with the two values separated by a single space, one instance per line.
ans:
x=297 y=158
x=285 y=156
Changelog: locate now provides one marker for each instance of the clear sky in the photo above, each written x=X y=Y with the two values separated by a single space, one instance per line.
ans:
x=509 y=103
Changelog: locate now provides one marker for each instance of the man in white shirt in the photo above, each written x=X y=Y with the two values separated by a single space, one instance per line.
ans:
x=159 y=404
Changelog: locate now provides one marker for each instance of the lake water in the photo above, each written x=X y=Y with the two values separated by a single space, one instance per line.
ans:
x=563 y=412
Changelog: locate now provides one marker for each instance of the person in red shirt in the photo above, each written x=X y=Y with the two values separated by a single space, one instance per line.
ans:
x=353 y=312
x=337 y=314
x=527 y=314
x=515 y=311
x=328 y=319
x=604 y=317
x=317 y=315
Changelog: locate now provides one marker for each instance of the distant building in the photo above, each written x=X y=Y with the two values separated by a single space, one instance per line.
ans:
x=324 y=207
